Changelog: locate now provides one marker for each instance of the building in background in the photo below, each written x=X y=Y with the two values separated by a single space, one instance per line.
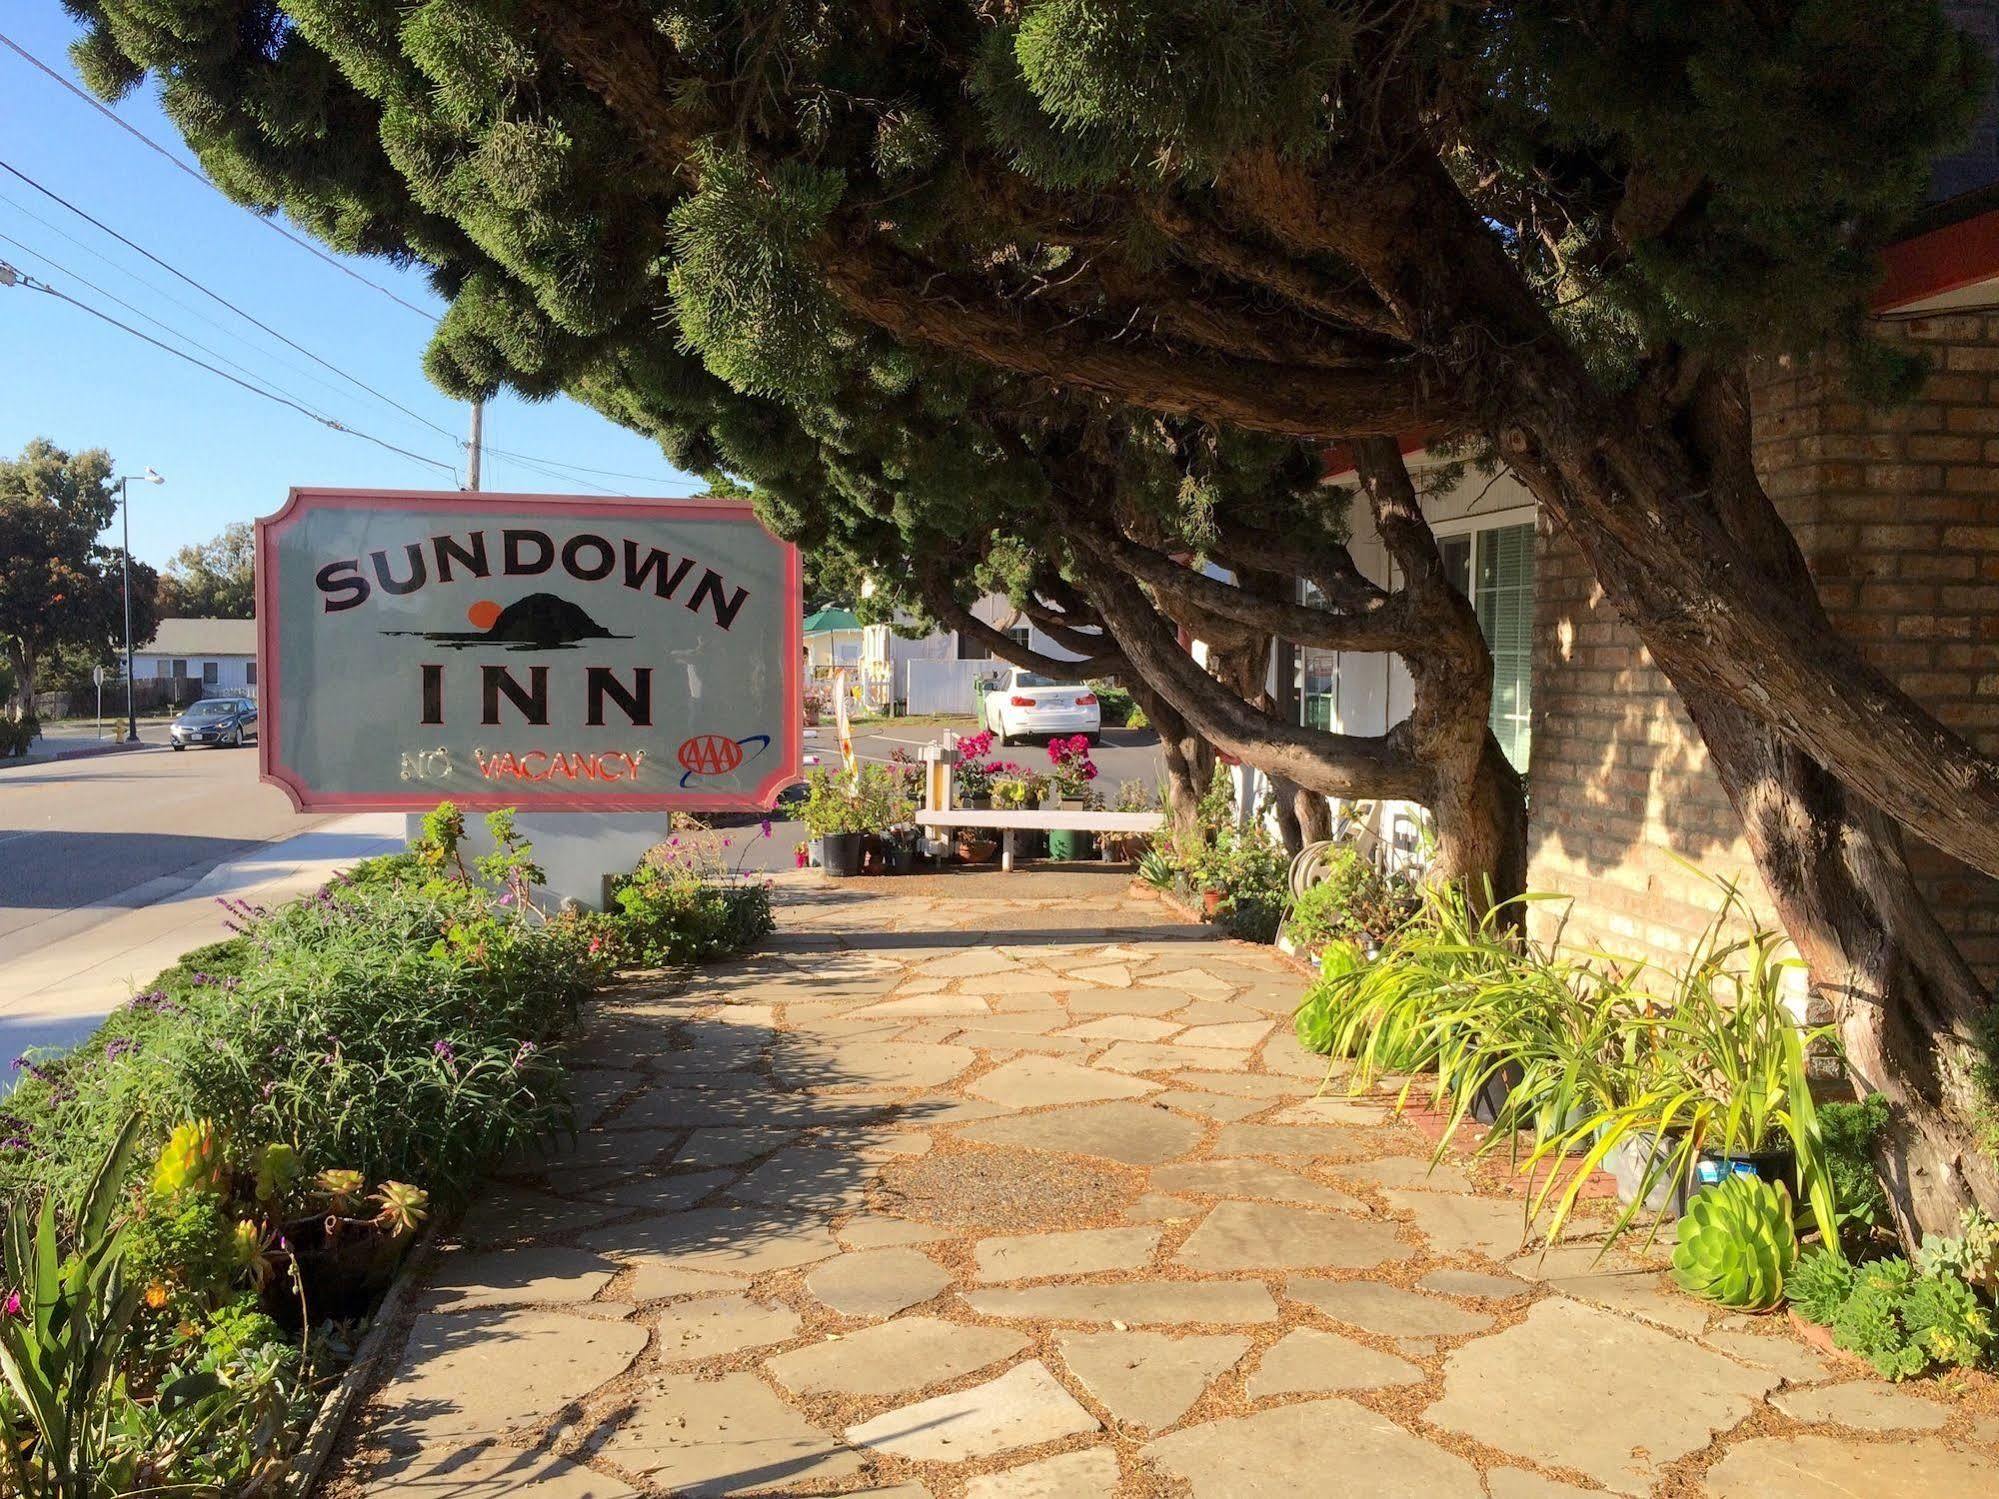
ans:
x=217 y=655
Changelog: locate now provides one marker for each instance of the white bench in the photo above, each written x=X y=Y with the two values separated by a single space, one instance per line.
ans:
x=1011 y=822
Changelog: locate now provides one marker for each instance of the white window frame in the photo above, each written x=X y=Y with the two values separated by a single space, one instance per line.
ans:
x=1473 y=523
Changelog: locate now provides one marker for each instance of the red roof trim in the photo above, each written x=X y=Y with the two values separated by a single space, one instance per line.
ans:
x=1944 y=260
x=1339 y=458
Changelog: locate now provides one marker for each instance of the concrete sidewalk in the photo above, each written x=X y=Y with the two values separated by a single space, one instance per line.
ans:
x=56 y=994
x=75 y=741
x=984 y=1187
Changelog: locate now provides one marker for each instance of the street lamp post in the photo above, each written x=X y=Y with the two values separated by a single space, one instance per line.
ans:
x=125 y=504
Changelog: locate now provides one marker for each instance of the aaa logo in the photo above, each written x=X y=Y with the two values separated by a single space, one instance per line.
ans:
x=717 y=754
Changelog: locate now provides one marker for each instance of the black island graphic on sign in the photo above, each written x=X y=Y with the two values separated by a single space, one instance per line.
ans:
x=539 y=622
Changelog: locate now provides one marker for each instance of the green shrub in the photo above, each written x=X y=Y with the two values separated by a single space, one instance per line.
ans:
x=1115 y=705
x=1849 y=1131
x=400 y=1028
x=1244 y=866
x=873 y=799
x=1352 y=902
x=17 y=734
x=666 y=918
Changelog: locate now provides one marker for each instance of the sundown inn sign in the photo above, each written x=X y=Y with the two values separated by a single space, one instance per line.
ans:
x=533 y=651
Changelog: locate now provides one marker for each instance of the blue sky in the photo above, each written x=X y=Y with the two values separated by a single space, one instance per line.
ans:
x=227 y=455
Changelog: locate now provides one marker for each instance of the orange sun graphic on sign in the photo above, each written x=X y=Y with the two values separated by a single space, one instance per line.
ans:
x=482 y=614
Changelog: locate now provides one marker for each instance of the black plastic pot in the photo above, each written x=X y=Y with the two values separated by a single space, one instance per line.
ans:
x=840 y=854
x=1628 y=1158
x=897 y=857
x=1492 y=1093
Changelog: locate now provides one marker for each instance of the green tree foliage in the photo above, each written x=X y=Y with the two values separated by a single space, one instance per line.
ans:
x=58 y=586
x=212 y=579
x=944 y=281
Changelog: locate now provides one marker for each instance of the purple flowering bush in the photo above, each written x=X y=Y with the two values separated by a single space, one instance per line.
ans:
x=398 y=1022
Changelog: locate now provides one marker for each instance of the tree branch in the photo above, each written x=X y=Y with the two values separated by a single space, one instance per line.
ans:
x=866 y=281
x=936 y=591
x=1388 y=627
x=1332 y=764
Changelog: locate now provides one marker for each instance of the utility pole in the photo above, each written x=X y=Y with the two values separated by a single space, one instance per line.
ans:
x=125 y=505
x=472 y=447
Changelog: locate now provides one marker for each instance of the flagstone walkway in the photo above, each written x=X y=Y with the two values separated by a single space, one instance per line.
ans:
x=1020 y=1190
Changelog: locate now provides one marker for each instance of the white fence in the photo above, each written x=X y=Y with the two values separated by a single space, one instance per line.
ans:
x=946 y=686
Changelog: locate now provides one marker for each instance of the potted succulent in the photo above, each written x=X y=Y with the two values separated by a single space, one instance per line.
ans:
x=977 y=845
x=1018 y=790
x=1132 y=796
x=897 y=848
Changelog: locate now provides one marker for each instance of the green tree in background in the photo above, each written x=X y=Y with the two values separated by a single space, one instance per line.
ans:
x=213 y=579
x=939 y=279
x=58 y=587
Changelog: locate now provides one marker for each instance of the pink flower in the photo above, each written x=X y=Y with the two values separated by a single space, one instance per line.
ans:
x=12 y=1306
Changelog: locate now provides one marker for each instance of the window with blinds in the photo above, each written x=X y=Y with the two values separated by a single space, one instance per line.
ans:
x=1503 y=595
x=1494 y=568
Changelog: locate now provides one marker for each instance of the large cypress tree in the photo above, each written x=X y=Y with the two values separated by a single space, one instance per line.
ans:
x=1554 y=229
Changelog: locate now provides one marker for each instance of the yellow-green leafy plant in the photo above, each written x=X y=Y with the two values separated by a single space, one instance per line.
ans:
x=278 y=1168
x=192 y=1160
x=1737 y=1244
x=255 y=1249
x=340 y=1188
x=403 y=1207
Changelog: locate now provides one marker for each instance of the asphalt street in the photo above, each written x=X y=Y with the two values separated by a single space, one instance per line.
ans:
x=81 y=840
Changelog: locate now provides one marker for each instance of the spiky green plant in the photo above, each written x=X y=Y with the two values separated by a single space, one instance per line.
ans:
x=1737 y=1244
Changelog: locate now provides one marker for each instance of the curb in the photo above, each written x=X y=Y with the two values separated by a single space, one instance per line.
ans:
x=91 y=751
x=329 y=1424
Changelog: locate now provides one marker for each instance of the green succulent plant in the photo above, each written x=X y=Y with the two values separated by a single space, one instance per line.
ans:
x=1736 y=1244
x=1820 y=1286
x=278 y=1167
x=1971 y=1255
x=193 y=1160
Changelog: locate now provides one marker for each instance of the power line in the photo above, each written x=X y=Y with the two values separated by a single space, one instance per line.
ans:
x=181 y=166
x=33 y=284
x=215 y=296
x=548 y=473
x=527 y=460
x=141 y=312
x=609 y=473
x=539 y=464
x=227 y=330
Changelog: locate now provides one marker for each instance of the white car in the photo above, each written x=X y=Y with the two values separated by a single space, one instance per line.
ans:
x=1024 y=704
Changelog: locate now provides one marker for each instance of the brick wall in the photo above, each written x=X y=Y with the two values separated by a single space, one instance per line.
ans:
x=1898 y=512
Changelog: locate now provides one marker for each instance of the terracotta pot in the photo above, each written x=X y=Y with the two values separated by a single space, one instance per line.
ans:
x=1211 y=902
x=977 y=850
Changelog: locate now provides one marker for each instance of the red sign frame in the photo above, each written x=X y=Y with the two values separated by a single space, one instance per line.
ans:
x=270 y=665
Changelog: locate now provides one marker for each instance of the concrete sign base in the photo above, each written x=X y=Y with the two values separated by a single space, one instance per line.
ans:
x=581 y=852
